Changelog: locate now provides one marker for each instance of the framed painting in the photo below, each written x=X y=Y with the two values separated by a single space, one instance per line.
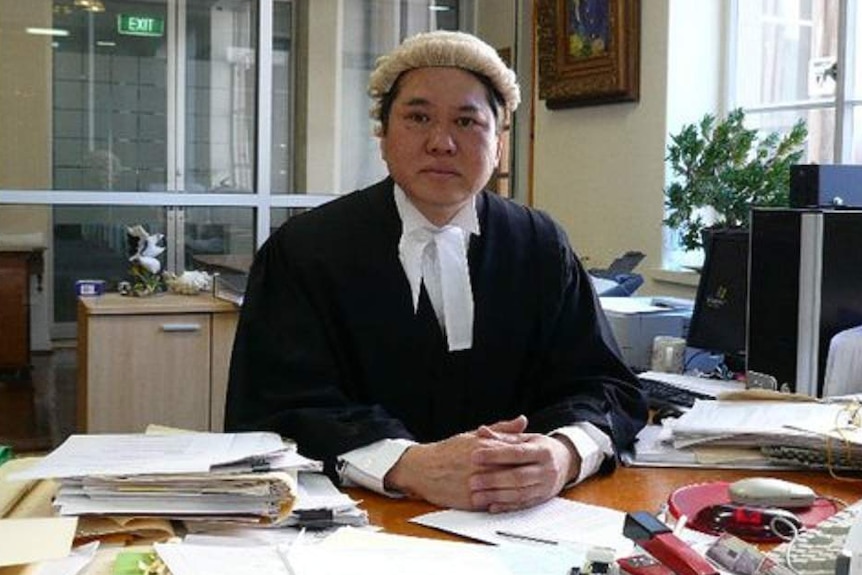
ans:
x=588 y=51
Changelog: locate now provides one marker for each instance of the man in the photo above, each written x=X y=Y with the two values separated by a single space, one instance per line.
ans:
x=425 y=337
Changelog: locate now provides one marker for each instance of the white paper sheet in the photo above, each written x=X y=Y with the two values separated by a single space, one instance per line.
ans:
x=72 y=564
x=559 y=520
x=374 y=553
x=629 y=305
x=316 y=491
x=133 y=454
x=755 y=421
x=189 y=559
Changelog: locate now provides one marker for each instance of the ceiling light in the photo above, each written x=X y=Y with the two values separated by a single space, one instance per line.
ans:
x=47 y=31
x=90 y=5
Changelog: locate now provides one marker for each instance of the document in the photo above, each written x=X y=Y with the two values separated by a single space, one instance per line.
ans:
x=630 y=305
x=176 y=475
x=351 y=550
x=320 y=504
x=556 y=521
x=468 y=558
x=192 y=559
x=266 y=497
x=752 y=423
x=654 y=448
x=11 y=492
x=132 y=454
x=30 y=540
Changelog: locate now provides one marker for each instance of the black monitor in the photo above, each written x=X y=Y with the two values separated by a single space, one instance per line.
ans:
x=719 y=314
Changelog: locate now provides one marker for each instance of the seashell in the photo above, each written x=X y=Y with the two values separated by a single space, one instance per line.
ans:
x=188 y=282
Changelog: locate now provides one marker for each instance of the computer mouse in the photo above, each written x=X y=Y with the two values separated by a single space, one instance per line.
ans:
x=770 y=492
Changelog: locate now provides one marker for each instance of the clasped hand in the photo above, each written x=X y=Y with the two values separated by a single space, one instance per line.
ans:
x=497 y=467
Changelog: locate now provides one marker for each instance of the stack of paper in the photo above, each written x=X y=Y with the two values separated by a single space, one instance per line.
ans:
x=654 y=448
x=321 y=505
x=759 y=423
x=247 y=477
x=318 y=505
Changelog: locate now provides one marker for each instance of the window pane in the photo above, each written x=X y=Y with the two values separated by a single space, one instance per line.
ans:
x=371 y=28
x=109 y=100
x=283 y=66
x=219 y=238
x=821 y=130
x=856 y=143
x=90 y=243
x=783 y=49
x=221 y=104
x=281 y=215
x=854 y=91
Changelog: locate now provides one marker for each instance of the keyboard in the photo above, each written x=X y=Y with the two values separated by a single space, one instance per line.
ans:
x=664 y=389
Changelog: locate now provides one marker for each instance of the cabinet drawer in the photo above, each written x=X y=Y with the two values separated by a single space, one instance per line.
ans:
x=146 y=369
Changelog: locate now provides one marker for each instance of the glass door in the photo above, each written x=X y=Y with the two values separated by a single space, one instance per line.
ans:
x=153 y=102
x=211 y=121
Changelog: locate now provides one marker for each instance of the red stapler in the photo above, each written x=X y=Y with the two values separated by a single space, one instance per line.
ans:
x=658 y=540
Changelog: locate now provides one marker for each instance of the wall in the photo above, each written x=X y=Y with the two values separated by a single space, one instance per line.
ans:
x=25 y=142
x=600 y=171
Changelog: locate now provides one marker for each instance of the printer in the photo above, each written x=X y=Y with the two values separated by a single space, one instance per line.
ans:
x=636 y=321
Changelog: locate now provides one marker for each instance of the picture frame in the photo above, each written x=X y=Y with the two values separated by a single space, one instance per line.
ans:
x=588 y=52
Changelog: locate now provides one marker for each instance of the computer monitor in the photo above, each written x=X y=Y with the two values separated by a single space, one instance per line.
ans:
x=719 y=314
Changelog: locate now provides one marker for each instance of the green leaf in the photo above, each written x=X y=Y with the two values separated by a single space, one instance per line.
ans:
x=722 y=165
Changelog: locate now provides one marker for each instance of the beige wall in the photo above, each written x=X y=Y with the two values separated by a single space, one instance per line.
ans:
x=495 y=22
x=25 y=129
x=25 y=96
x=25 y=140
x=600 y=170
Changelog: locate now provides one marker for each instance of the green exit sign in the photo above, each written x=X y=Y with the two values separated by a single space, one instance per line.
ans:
x=132 y=25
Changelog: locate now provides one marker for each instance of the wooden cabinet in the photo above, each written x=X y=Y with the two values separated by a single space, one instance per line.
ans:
x=17 y=264
x=161 y=360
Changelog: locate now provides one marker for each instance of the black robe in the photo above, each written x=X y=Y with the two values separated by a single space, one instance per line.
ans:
x=330 y=352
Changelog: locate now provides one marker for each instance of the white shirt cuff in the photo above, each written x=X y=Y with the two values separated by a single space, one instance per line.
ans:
x=367 y=466
x=592 y=445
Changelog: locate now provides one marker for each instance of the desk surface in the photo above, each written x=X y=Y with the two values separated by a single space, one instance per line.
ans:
x=627 y=489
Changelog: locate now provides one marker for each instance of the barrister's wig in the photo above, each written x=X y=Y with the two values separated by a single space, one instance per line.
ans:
x=443 y=49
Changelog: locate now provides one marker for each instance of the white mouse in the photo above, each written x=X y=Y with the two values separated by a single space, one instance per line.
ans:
x=770 y=492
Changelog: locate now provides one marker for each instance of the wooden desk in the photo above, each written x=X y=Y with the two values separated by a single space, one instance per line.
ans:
x=627 y=489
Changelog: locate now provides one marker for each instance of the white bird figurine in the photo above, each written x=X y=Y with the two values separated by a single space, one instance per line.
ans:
x=145 y=248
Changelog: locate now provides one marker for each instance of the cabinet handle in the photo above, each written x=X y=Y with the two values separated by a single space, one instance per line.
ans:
x=174 y=327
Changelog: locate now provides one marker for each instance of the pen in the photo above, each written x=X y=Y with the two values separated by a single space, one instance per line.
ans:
x=523 y=537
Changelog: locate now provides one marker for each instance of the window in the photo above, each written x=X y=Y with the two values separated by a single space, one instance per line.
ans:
x=213 y=125
x=793 y=59
x=786 y=60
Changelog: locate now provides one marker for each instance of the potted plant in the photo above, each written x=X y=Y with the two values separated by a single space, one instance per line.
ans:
x=728 y=168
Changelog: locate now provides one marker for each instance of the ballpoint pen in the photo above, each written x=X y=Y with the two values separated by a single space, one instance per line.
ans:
x=524 y=537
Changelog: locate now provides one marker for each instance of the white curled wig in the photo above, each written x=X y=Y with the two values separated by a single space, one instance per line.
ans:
x=442 y=48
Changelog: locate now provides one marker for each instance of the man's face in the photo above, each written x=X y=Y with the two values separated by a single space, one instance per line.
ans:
x=441 y=143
